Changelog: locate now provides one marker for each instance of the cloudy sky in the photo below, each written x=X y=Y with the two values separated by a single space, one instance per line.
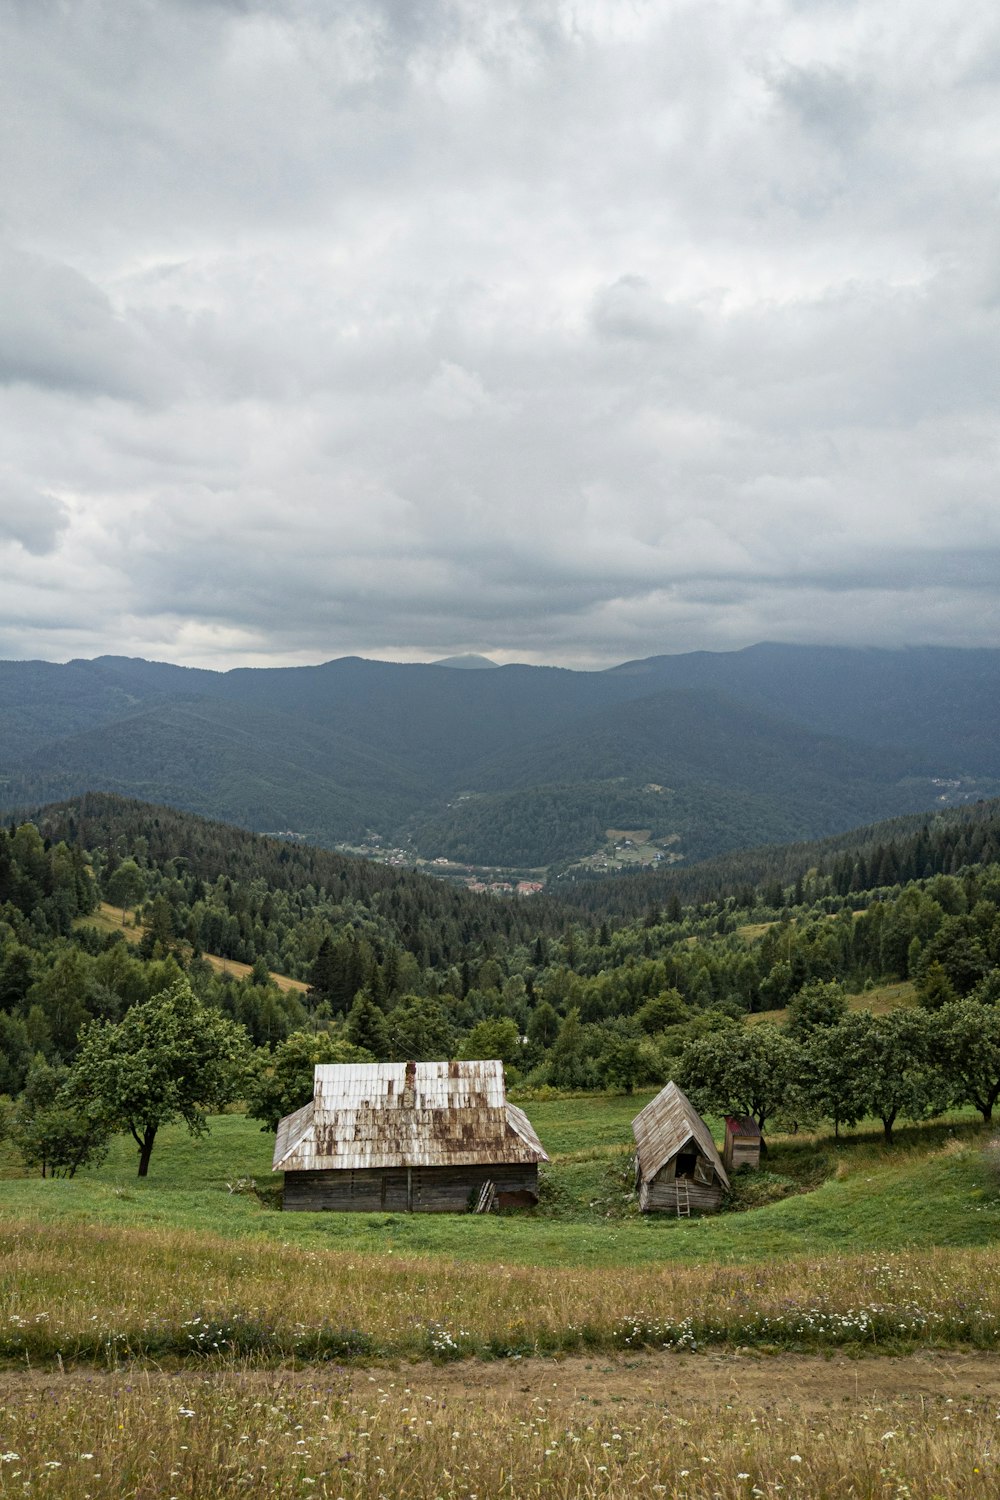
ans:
x=560 y=332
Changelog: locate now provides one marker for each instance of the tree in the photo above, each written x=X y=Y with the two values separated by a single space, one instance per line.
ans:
x=889 y=1057
x=623 y=1061
x=366 y=1026
x=750 y=1071
x=965 y=1048
x=127 y=886
x=661 y=1011
x=169 y=1058
x=567 y=1057
x=282 y=1081
x=52 y=1132
x=497 y=1036
x=815 y=1006
x=419 y=1030
x=834 y=1078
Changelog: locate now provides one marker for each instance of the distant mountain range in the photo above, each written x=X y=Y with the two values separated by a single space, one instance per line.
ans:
x=518 y=765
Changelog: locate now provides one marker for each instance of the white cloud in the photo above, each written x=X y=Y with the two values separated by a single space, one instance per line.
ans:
x=544 y=330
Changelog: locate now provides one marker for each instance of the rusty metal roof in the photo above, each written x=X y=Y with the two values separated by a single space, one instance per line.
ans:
x=742 y=1127
x=415 y=1114
x=665 y=1127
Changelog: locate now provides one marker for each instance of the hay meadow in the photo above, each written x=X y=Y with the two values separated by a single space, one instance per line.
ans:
x=180 y=1336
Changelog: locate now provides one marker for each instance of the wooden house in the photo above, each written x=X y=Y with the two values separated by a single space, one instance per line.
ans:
x=421 y=1137
x=677 y=1167
x=742 y=1144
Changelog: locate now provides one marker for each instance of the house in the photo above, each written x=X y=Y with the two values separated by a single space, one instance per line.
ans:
x=742 y=1144
x=422 y=1137
x=677 y=1167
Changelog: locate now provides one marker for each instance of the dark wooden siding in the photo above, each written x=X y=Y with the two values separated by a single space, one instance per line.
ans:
x=741 y=1153
x=660 y=1195
x=401 y=1189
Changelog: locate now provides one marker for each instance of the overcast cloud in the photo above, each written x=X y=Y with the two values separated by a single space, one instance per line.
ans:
x=558 y=332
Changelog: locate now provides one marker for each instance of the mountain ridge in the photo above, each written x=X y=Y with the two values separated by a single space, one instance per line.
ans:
x=773 y=742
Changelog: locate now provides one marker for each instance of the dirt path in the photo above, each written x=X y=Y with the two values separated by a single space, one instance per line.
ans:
x=805 y=1383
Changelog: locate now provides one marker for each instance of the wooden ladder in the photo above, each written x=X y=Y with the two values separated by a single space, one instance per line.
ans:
x=683 y=1192
x=486 y=1198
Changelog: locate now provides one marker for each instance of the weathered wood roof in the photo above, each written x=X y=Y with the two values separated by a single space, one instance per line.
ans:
x=665 y=1127
x=743 y=1127
x=424 y=1114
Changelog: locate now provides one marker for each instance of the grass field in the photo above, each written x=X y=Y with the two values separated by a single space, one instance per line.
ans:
x=717 y=1428
x=173 y=1338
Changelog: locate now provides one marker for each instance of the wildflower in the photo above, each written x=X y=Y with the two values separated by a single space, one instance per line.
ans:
x=796 y=1458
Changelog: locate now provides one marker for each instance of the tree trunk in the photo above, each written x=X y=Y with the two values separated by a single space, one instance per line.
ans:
x=146 y=1149
x=887 y=1125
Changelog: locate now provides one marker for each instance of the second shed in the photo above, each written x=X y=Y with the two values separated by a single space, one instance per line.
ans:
x=677 y=1167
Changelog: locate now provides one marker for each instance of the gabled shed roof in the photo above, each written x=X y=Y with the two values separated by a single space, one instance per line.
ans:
x=424 y=1114
x=665 y=1127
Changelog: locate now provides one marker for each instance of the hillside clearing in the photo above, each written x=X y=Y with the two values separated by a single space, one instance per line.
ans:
x=110 y=918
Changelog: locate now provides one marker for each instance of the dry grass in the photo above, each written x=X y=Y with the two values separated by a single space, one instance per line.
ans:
x=78 y=1292
x=399 y=1434
x=879 y=1000
x=109 y=919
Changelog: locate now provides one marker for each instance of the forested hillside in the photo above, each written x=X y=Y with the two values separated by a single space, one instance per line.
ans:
x=518 y=766
x=402 y=967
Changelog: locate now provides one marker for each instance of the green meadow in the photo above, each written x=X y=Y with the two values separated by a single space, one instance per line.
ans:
x=937 y=1186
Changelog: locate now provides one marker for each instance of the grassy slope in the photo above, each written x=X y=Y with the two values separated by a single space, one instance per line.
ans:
x=935 y=1188
x=108 y=918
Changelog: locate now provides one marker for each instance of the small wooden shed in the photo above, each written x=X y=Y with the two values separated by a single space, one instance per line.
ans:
x=420 y=1137
x=742 y=1144
x=677 y=1168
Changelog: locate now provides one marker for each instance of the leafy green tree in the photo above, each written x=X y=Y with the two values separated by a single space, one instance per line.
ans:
x=623 y=1061
x=835 y=1075
x=543 y=1026
x=567 y=1056
x=15 y=1053
x=815 y=1006
x=52 y=1132
x=965 y=1047
x=753 y=1070
x=127 y=886
x=497 y=1036
x=419 y=1030
x=170 y=1058
x=661 y=1011
x=934 y=988
x=891 y=1058
x=282 y=1081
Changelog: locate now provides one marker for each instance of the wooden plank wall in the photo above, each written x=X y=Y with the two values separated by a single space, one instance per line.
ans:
x=660 y=1196
x=402 y=1189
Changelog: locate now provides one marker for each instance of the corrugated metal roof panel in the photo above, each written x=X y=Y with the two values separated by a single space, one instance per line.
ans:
x=664 y=1128
x=407 y=1114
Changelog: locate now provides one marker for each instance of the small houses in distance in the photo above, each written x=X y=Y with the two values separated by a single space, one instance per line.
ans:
x=407 y=1137
x=676 y=1164
x=742 y=1143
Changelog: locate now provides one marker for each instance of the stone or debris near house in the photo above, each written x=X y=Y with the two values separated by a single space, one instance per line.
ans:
x=423 y=1137
x=677 y=1168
